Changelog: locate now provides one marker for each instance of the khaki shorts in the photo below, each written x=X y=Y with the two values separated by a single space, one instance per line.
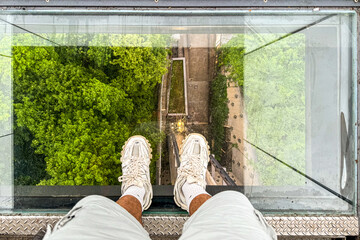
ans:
x=97 y=217
x=227 y=215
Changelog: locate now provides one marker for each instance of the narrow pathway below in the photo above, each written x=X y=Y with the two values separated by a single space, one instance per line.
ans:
x=199 y=52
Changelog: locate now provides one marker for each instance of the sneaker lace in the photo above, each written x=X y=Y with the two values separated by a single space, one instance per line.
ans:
x=193 y=168
x=134 y=171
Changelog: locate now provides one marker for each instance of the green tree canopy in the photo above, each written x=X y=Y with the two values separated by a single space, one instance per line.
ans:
x=80 y=104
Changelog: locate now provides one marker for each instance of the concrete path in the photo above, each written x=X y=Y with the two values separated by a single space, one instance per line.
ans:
x=199 y=52
x=242 y=152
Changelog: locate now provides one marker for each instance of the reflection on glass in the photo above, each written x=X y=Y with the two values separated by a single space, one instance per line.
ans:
x=274 y=90
x=264 y=89
x=6 y=150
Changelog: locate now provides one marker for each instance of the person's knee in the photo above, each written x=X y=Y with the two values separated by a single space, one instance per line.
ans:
x=231 y=196
x=92 y=199
x=231 y=193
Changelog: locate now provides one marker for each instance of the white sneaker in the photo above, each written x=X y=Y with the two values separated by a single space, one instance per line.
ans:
x=135 y=159
x=194 y=158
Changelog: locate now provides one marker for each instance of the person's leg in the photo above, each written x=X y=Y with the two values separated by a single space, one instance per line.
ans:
x=132 y=205
x=189 y=189
x=136 y=186
x=97 y=217
x=197 y=202
x=227 y=215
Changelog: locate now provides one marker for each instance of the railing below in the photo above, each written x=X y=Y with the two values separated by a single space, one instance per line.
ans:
x=224 y=175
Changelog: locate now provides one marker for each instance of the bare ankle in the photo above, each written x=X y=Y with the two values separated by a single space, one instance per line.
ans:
x=197 y=202
x=132 y=205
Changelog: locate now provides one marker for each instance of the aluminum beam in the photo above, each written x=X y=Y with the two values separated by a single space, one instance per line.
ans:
x=180 y=4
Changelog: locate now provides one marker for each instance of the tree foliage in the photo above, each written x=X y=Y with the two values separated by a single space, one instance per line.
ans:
x=219 y=113
x=5 y=112
x=80 y=104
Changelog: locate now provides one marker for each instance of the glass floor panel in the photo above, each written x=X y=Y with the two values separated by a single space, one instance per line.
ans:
x=273 y=92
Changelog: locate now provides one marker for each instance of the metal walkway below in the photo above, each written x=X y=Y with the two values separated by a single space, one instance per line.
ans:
x=170 y=226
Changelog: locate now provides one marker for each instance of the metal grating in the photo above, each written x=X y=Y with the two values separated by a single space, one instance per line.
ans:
x=172 y=225
x=311 y=226
x=164 y=225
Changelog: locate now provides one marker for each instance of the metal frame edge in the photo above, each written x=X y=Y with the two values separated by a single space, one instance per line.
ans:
x=180 y=4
